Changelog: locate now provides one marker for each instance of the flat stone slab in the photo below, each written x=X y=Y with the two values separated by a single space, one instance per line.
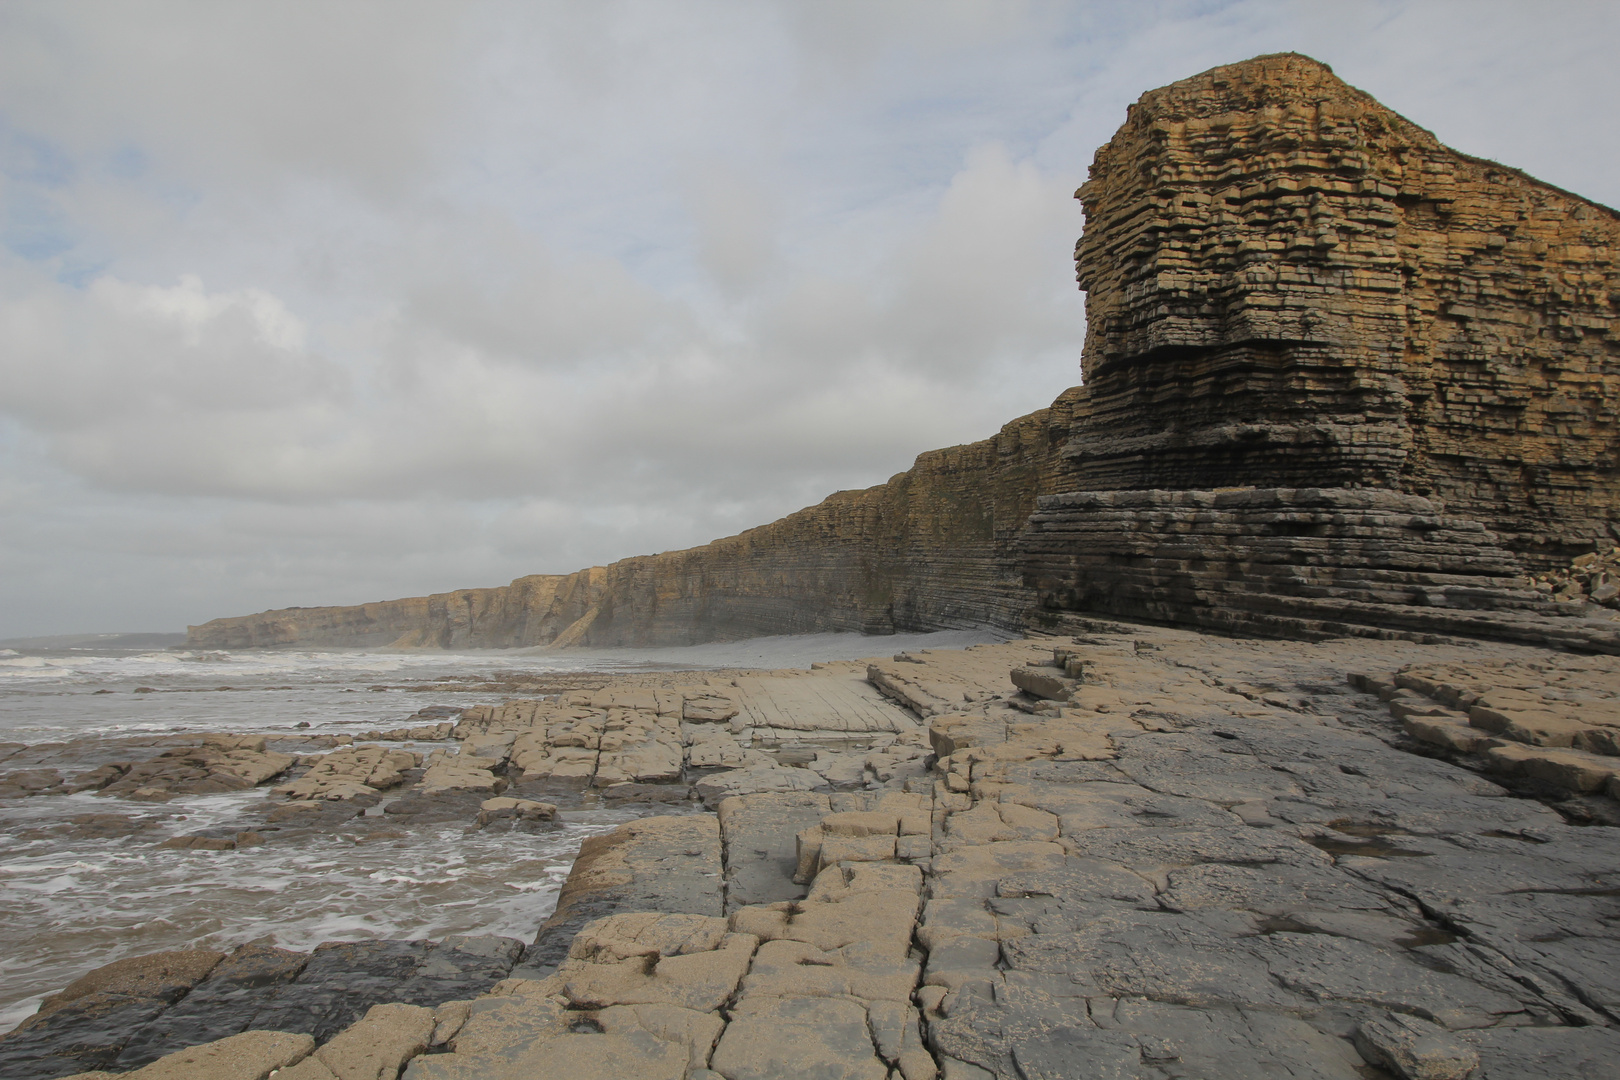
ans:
x=669 y=864
x=1217 y=858
x=761 y=855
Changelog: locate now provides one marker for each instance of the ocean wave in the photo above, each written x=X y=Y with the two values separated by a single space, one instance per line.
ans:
x=58 y=919
x=769 y=652
x=29 y=662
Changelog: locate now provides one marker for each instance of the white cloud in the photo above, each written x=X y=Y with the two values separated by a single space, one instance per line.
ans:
x=305 y=304
x=737 y=220
x=239 y=93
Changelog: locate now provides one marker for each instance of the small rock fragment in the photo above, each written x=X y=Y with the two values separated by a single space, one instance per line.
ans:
x=1414 y=1049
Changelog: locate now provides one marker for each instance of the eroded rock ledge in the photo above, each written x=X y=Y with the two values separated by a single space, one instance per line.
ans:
x=1136 y=852
x=1298 y=563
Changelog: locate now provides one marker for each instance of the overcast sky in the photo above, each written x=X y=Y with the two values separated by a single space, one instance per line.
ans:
x=309 y=303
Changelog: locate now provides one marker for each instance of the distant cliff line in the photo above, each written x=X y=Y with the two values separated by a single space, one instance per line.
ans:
x=1291 y=290
x=931 y=549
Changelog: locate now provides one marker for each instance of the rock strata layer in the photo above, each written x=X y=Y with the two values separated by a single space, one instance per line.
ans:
x=1290 y=288
x=1306 y=563
x=1290 y=285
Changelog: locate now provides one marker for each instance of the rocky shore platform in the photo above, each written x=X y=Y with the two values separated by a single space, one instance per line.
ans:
x=1119 y=851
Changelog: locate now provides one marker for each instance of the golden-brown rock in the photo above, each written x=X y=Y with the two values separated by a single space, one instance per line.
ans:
x=1290 y=288
x=1290 y=285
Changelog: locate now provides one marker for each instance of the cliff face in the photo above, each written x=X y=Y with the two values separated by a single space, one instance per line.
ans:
x=931 y=549
x=1292 y=289
x=1289 y=285
x=532 y=610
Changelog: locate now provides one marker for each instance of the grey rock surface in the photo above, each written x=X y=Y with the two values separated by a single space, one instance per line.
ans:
x=761 y=857
x=670 y=864
x=239 y=986
x=1218 y=858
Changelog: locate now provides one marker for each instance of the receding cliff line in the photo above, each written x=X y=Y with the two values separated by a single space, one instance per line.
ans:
x=1290 y=288
x=931 y=549
x=531 y=610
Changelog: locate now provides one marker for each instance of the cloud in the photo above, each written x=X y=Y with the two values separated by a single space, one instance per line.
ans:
x=143 y=387
x=308 y=304
x=503 y=368
x=243 y=93
x=736 y=220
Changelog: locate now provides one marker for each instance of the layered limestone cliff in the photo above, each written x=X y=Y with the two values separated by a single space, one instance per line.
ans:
x=537 y=609
x=931 y=549
x=1289 y=285
x=1290 y=288
x=1293 y=292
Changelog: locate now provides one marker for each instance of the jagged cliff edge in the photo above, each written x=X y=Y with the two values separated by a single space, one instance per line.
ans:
x=1405 y=356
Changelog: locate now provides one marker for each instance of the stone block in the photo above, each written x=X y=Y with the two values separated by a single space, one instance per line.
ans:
x=645 y=934
x=841 y=849
x=1572 y=770
x=1414 y=1049
x=1462 y=738
x=700 y=980
x=778 y=1038
x=861 y=823
x=491 y=810
x=713 y=709
x=251 y=1055
x=378 y=1045
x=765 y=860
x=1042 y=683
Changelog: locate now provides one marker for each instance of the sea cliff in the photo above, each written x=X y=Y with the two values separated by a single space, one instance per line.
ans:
x=1291 y=289
x=934 y=548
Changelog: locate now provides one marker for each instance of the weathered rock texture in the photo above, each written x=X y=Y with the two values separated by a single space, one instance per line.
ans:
x=1304 y=563
x=1293 y=291
x=136 y=1011
x=1141 y=852
x=1290 y=287
x=930 y=549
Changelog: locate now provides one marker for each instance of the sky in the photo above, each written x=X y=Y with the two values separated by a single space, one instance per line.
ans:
x=321 y=303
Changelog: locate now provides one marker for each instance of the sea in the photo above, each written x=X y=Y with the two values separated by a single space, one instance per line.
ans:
x=70 y=904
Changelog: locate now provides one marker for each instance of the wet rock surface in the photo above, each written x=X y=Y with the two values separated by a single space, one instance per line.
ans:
x=134 y=1012
x=658 y=864
x=1181 y=856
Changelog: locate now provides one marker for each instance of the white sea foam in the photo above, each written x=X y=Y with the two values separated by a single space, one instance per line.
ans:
x=52 y=695
x=20 y=664
x=183 y=665
x=69 y=905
